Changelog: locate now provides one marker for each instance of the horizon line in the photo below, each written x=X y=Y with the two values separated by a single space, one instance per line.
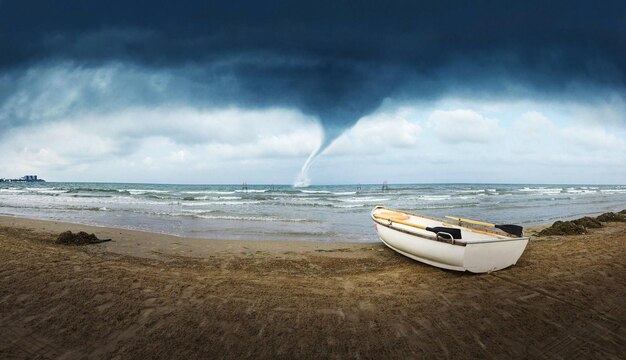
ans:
x=327 y=184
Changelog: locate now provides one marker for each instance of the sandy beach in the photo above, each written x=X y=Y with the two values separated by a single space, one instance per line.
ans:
x=145 y=295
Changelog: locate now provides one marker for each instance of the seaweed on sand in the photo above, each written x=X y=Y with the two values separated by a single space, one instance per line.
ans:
x=79 y=238
x=612 y=217
x=563 y=228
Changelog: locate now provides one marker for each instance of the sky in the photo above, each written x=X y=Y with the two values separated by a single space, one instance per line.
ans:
x=324 y=92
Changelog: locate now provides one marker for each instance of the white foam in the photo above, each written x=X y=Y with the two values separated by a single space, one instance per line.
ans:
x=577 y=191
x=249 y=218
x=13 y=191
x=208 y=203
x=216 y=198
x=46 y=191
x=435 y=197
x=143 y=191
x=542 y=190
x=207 y=192
x=364 y=199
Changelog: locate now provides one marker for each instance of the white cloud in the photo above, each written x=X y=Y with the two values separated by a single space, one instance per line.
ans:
x=610 y=112
x=594 y=139
x=377 y=133
x=180 y=156
x=158 y=139
x=462 y=125
x=122 y=123
x=148 y=161
x=533 y=123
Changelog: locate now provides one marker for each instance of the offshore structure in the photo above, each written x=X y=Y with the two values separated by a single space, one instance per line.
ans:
x=25 y=178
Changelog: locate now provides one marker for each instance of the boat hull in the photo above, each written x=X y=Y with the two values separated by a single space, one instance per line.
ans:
x=479 y=257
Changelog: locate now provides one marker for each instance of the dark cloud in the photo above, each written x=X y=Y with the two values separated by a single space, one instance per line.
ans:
x=336 y=60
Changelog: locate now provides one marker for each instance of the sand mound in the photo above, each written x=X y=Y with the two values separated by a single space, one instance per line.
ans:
x=588 y=222
x=563 y=228
x=80 y=238
x=612 y=217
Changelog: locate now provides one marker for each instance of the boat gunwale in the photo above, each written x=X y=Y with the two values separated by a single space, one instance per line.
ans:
x=465 y=226
x=432 y=238
x=502 y=238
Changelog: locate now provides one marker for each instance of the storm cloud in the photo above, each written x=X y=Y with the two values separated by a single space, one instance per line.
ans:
x=334 y=60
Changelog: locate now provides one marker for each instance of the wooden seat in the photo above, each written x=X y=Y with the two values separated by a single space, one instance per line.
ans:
x=393 y=216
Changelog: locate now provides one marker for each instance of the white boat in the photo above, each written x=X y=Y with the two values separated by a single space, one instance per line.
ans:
x=449 y=245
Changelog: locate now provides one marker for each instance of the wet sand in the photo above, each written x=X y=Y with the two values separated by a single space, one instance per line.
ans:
x=146 y=295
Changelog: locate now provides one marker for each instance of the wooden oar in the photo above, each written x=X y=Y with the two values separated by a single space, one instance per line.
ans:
x=507 y=228
x=455 y=233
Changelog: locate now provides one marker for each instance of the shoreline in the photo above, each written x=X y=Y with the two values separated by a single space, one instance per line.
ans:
x=146 y=295
x=147 y=244
x=334 y=213
x=58 y=225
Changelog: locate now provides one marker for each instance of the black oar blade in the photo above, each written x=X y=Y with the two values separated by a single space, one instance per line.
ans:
x=456 y=233
x=512 y=229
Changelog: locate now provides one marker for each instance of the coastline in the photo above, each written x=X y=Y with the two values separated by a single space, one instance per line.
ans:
x=153 y=245
x=146 y=244
x=335 y=213
x=160 y=296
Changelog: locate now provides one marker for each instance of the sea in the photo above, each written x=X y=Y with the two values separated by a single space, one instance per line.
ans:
x=282 y=212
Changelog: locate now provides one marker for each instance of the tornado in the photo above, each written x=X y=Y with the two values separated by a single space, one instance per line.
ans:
x=332 y=130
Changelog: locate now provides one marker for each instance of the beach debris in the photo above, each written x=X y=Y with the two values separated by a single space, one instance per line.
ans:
x=563 y=228
x=588 y=222
x=79 y=238
x=612 y=217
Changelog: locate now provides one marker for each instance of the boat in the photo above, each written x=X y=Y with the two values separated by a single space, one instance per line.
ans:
x=460 y=245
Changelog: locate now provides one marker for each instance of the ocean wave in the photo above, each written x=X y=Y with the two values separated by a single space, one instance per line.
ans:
x=45 y=191
x=348 y=206
x=468 y=197
x=252 y=191
x=438 y=206
x=55 y=207
x=208 y=203
x=13 y=191
x=316 y=191
x=197 y=211
x=541 y=190
x=327 y=192
x=251 y=218
x=207 y=192
x=192 y=198
x=580 y=191
x=145 y=191
x=435 y=197
x=81 y=190
x=365 y=199
x=87 y=196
